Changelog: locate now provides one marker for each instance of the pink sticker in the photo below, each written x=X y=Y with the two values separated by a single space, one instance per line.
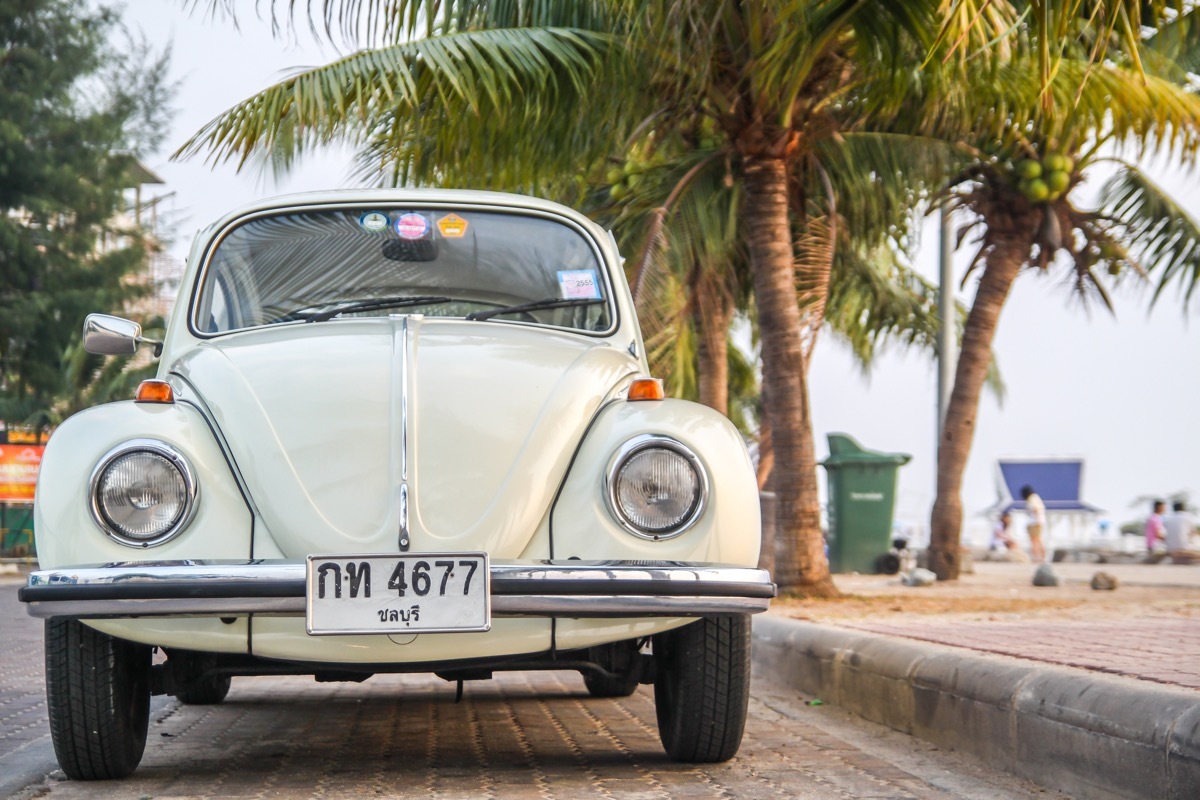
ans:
x=578 y=284
x=412 y=226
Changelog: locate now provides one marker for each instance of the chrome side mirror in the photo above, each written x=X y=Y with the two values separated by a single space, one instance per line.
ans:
x=106 y=335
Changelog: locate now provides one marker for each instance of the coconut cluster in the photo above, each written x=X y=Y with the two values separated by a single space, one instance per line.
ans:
x=624 y=179
x=1044 y=181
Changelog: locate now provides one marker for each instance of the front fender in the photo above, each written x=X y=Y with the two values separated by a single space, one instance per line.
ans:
x=67 y=534
x=728 y=532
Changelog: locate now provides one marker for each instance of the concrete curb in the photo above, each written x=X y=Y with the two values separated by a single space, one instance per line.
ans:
x=1085 y=734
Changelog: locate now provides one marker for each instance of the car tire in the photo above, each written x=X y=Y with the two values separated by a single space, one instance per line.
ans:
x=98 y=699
x=207 y=691
x=617 y=658
x=602 y=686
x=702 y=688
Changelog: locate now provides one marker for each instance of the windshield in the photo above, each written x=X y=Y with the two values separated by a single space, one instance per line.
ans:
x=333 y=264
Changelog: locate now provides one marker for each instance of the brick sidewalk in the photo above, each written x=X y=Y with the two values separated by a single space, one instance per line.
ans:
x=1155 y=648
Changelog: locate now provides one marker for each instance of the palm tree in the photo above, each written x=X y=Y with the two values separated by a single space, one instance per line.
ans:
x=527 y=93
x=690 y=272
x=1038 y=135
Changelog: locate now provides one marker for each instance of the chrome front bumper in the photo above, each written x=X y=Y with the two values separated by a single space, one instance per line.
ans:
x=518 y=589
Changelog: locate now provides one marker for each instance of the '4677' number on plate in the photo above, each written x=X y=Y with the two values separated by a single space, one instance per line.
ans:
x=423 y=577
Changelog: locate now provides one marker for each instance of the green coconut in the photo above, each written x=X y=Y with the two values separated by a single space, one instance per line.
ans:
x=1029 y=169
x=1036 y=190
x=1058 y=180
x=1057 y=162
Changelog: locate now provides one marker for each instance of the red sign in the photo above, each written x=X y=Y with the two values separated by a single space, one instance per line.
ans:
x=18 y=471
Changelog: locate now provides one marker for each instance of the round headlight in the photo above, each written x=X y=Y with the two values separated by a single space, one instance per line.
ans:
x=656 y=487
x=143 y=493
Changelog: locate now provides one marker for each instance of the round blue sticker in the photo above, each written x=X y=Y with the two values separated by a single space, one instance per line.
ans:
x=373 y=221
x=412 y=226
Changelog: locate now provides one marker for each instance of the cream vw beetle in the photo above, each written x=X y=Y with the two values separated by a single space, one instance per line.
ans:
x=394 y=431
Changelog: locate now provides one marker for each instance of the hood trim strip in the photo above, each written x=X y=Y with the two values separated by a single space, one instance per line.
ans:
x=401 y=344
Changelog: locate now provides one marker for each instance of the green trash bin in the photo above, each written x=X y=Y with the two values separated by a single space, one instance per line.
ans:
x=862 y=501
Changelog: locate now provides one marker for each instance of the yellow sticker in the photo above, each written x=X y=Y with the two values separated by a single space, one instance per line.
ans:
x=452 y=226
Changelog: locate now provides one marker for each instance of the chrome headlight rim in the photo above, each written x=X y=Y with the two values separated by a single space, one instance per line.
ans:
x=172 y=455
x=627 y=451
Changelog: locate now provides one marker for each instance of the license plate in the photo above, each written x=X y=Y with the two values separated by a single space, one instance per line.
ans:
x=411 y=593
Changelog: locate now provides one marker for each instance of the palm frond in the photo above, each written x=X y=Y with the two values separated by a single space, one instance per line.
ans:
x=881 y=178
x=1167 y=237
x=697 y=232
x=1093 y=100
x=390 y=21
x=508 y=74
x=1173 y=49
x=877 y=299
x=816 y=247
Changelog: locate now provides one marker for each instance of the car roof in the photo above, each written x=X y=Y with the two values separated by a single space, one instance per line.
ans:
x=448 y=196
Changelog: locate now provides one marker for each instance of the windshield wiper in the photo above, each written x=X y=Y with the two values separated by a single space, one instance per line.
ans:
x=536 y=305
x=374 y=304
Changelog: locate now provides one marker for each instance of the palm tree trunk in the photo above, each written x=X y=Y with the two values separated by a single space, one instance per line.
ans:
x=766 y=449
x=713 y=313
x=1001 y=269
x=802 y=566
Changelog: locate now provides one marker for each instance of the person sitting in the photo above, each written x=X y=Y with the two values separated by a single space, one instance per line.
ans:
x=1156 y=548
x=1003 y=546
x=1179 y=529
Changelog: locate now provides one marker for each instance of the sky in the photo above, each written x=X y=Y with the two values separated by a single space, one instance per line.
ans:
x=1121 y=392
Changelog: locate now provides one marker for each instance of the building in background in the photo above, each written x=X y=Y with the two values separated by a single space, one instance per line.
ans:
x=1070 y=521
x=146 y=212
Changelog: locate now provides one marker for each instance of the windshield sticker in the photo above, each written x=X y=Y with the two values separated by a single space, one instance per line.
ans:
x=578 y=284
x=412 y=226
x=373 y=221
x=452 y=226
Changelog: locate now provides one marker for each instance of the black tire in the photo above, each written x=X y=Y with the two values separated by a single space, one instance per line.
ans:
x=98 y=698
x=702 y=688
x=617 y=658
x=887 y=564
x=208 y=691
x=601 y=686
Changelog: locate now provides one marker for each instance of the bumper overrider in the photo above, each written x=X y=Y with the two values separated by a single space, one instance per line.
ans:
x=517 y=589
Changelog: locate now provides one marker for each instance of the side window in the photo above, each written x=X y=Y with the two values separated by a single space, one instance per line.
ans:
x=217 y=316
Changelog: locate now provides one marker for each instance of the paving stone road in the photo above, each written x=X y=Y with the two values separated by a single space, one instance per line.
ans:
x=520 y=736
x=22 y=700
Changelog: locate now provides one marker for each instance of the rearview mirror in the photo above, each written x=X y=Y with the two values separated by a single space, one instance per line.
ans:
x=106 y=335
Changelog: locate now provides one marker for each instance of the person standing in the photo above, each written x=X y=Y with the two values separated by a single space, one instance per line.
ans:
x=1037 y=523
x=1156 y=532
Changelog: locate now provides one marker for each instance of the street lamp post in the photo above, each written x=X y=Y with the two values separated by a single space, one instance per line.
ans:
x=948 y=328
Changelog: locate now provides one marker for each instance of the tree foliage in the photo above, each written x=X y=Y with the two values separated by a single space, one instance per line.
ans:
x=728 y=113
x=1109 y=79
x=76 y=114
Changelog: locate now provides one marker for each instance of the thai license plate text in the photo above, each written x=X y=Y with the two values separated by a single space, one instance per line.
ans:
x=408 y=593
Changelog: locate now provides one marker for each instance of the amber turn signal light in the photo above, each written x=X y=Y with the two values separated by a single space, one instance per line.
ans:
x=646 y=389
x=153 y=391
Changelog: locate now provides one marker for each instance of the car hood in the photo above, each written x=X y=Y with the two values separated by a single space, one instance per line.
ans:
x=327 y=421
